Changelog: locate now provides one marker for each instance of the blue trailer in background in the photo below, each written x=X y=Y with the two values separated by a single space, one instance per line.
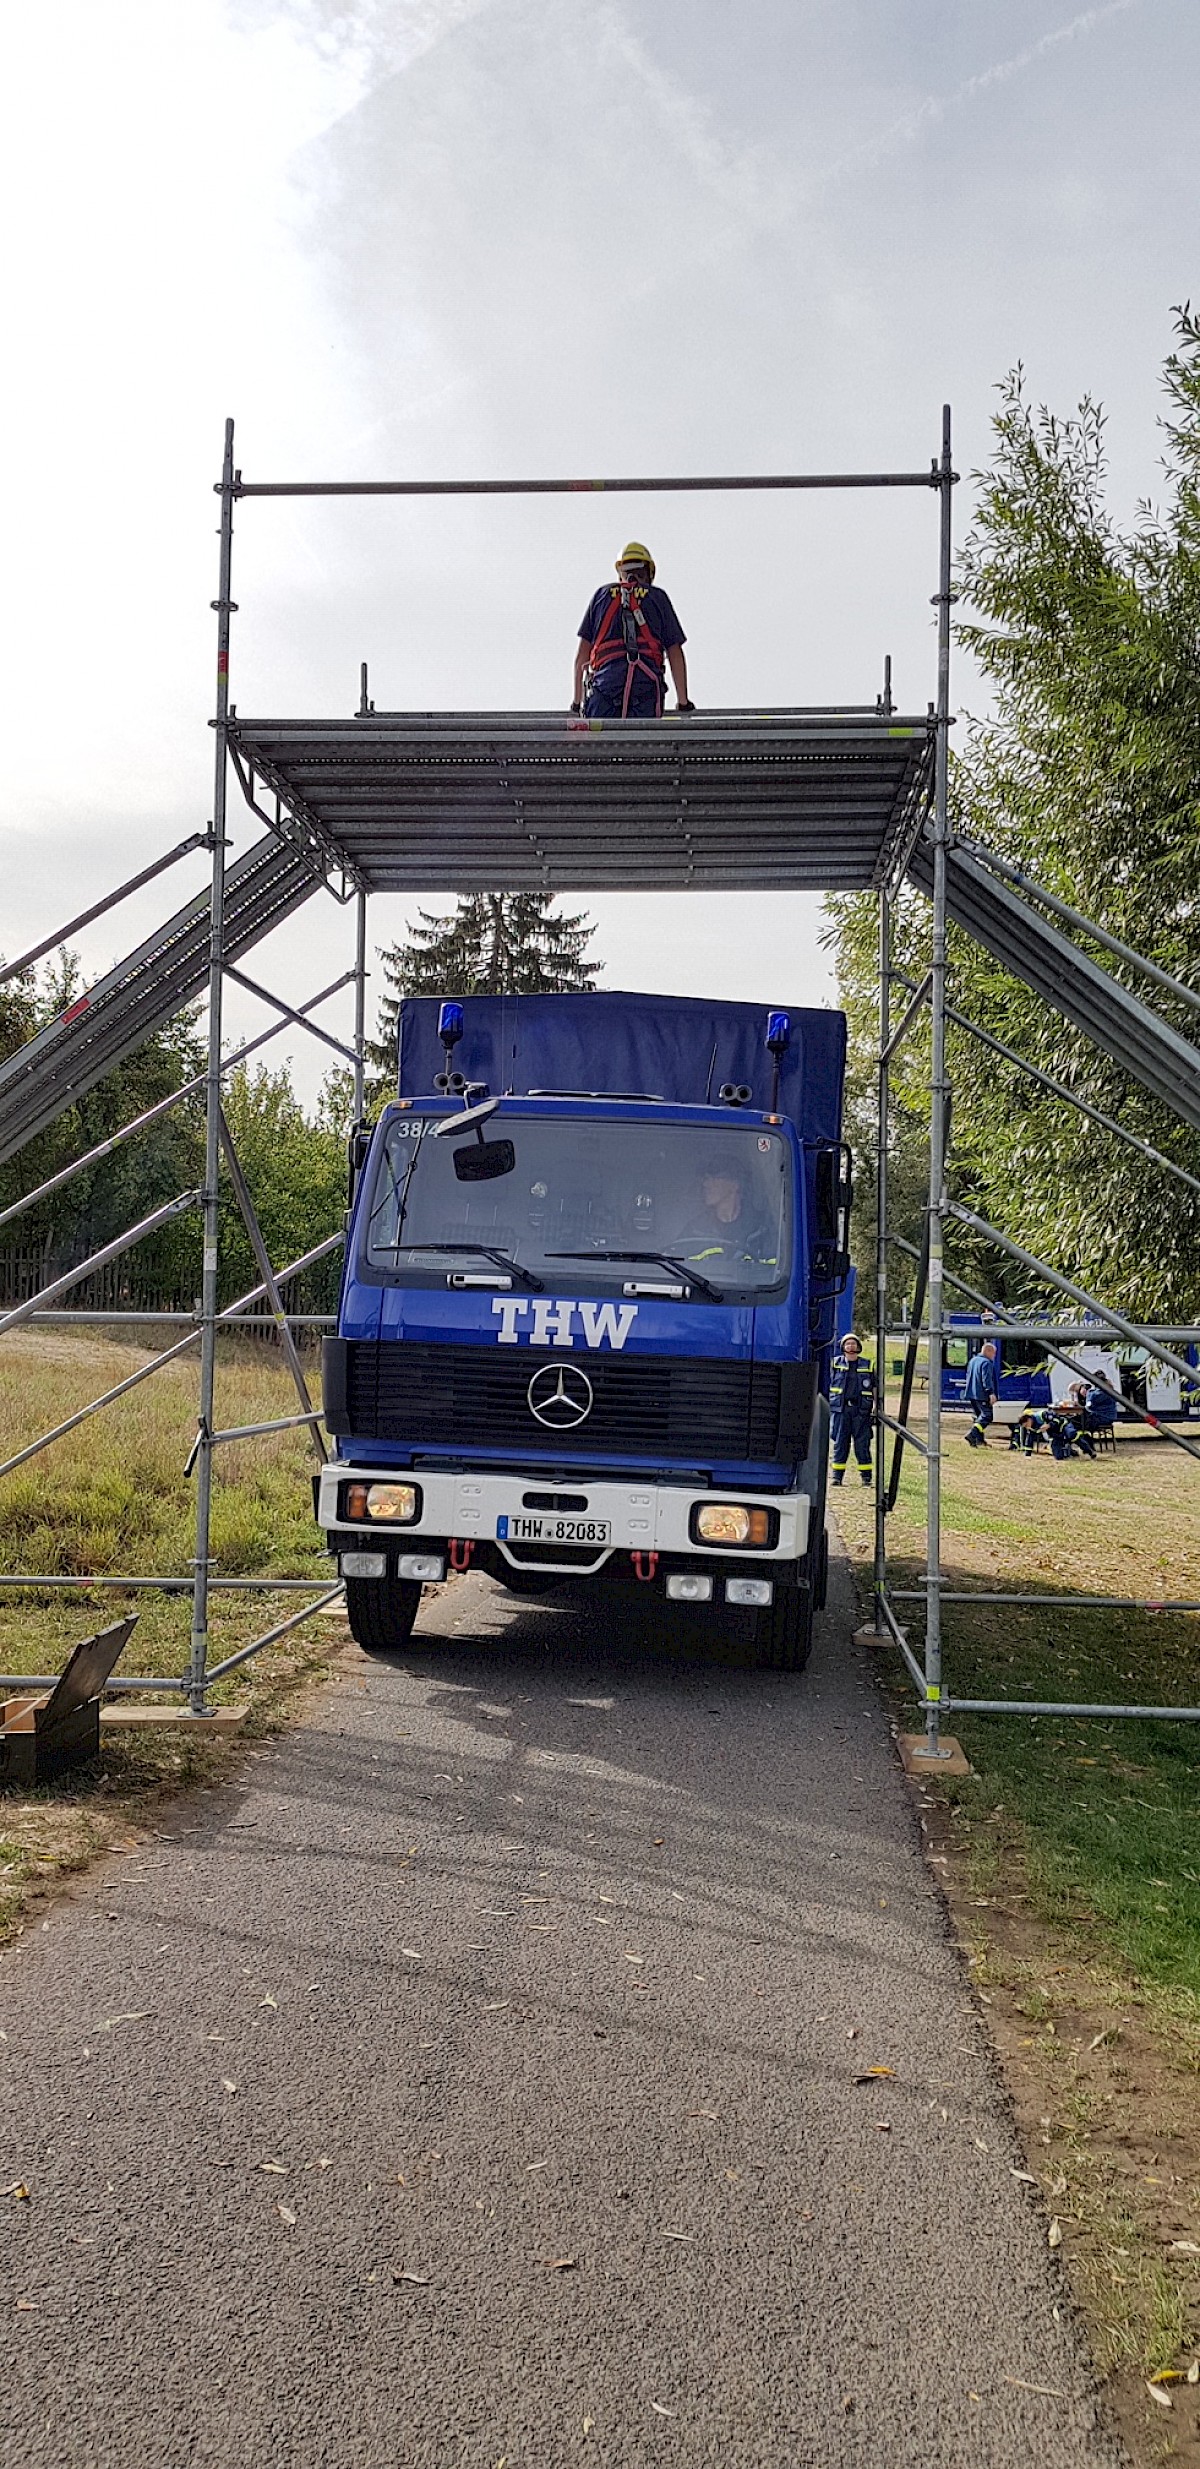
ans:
x=591 y=1288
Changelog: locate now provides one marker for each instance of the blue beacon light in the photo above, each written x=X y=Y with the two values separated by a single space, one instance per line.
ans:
x=450 y=1024
x=779 y=1038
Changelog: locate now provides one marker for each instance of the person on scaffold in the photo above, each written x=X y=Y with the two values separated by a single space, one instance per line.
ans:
x=628 y=629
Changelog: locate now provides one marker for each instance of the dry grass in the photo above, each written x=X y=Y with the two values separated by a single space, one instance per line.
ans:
x=111 y=1498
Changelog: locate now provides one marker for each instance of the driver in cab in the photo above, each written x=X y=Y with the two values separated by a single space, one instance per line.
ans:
x=723 y=1229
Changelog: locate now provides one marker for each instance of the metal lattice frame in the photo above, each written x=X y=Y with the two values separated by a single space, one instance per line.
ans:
x=833 y=799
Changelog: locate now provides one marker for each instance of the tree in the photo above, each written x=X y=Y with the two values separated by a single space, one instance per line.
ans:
x=492 y=943
x=296 y=1174
x=1086 y=773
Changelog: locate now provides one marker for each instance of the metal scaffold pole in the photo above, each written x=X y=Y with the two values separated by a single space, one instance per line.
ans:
x=881 y=1256
x=360 y=1005
x=197 y=1676
x=938 y=1092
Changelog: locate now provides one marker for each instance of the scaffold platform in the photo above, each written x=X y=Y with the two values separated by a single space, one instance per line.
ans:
x=412 y=802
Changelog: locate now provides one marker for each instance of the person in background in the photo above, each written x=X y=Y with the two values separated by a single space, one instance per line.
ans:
x=851 y=1409
x=980 y=1392
x=1099 y=1408
x=628 y=628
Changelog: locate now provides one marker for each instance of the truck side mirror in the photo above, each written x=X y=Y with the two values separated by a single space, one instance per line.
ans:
x=485 y=1161
x=357 y=1151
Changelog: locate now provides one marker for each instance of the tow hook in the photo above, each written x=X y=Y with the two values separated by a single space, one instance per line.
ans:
x=650 y=1571
x=461 y=1549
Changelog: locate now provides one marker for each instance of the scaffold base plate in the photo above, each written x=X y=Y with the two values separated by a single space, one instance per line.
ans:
x=951 y=1758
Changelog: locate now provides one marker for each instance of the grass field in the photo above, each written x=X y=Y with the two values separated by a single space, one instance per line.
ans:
x=1113 y=1808
x=111 y=1498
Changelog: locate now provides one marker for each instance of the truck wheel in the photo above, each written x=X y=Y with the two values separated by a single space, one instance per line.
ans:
x=783 y=1637
x=381 y=1612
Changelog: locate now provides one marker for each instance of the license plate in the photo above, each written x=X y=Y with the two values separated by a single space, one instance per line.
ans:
x=552 y=1529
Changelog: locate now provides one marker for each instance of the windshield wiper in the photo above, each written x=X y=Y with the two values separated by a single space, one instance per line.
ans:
x=664 y=1260
x=479 y=1251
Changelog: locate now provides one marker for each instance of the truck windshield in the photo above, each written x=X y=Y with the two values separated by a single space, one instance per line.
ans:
x=629 y=1199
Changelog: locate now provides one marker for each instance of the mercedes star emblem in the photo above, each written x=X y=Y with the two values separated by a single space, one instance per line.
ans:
x=560 y=1395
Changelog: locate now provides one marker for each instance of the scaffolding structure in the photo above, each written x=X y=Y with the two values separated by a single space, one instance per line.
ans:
x=835 y=798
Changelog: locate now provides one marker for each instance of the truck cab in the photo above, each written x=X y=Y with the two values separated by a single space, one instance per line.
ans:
x=584 y=1328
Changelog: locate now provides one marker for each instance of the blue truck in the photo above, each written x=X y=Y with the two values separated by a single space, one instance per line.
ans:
x=593 y=1262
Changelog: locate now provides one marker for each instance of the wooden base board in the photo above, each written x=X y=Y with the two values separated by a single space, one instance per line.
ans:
x=872 y=1637
x=171 y=1718
x=951 y=1761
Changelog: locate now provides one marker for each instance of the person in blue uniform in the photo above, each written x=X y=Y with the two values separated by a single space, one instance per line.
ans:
x=980 y=1392
x=851 y=1409
x=629 y=627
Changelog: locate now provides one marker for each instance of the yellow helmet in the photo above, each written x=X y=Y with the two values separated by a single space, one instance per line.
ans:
x=635 y=553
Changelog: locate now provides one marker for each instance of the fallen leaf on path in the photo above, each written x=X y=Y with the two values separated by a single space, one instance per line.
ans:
x=412 y=1954
x=1026 y=2176
x=1054 y=2234
x=1102 y=2039
x=140 y=2016
x=874 y=2074
x=286 y=2215
x=228 y=2084
x=633 y=1958
x=1047 y=2390
x=1184 y=2246
x=497 y=2005
x=273 y=2168
x=882 y=2126
x=420 y=2280
x=1193 y=2372
x=588 y=2424
x=268 y=2000
x=1168 y=2374
x=26 y=2306
x=682 y=2236
x=19 y=2192
x=660 y=2411
x=1163 y=2398
x=559 y=2263
x=714 y=2114
x=537 y=2164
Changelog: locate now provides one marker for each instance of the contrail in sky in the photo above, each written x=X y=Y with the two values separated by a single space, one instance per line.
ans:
x=938 y=106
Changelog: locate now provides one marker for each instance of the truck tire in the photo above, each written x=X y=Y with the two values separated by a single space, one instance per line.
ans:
x=783 y=1638
x=381 y=1612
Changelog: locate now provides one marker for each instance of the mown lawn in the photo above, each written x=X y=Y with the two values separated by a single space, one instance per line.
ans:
x=111 y=1498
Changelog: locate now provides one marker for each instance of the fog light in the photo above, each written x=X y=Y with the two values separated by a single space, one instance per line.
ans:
x=362 y=1564
x=748 y=1590
x=397 y=1502
x=688 y=1586
x=728 y=1521
x=425 y=1567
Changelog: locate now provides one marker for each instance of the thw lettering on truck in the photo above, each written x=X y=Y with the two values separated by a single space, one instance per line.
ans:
x=553 y=1323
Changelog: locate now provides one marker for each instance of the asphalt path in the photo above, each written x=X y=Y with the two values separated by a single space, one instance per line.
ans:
x=473 y=2083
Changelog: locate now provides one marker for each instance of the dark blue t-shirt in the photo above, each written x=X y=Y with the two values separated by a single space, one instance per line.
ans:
x=660 y=616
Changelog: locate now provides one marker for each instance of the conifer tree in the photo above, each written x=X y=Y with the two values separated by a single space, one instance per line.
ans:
x=492 y=943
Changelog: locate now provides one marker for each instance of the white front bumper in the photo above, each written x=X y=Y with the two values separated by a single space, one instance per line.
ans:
x=641 y=1517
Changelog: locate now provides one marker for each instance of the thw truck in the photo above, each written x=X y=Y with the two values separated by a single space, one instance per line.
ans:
x=588 y=1306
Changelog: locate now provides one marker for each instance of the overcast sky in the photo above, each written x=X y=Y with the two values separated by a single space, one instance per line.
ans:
x=439 y=238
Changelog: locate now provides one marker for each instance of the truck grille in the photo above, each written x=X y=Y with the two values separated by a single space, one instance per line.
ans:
x=655 y=1406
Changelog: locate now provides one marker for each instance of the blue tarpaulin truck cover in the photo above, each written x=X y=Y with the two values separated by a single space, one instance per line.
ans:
x=677 y=1047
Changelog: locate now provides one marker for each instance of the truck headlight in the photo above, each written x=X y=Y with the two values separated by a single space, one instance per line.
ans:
x=399 y=1503
x=391 y=1504
x=733 y=1522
